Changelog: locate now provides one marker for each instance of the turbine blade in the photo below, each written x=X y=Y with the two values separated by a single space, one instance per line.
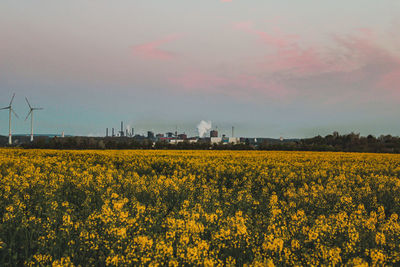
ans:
x=15 y=113
x=28 y=103
x=37 y=109
x=12 y=99
x=4 y=108
x=27 y=116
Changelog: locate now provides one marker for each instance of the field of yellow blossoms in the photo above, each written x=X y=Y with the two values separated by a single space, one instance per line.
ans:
x=185 y=208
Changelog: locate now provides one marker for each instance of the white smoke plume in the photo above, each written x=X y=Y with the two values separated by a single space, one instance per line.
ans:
x=203 y=127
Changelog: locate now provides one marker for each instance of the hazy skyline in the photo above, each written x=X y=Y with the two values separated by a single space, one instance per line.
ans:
x=269 y=68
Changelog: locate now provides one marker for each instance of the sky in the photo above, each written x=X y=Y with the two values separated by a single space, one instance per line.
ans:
x=268 y=68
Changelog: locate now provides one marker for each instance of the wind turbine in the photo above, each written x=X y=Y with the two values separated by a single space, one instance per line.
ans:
x=10 y=109
x=31 y=113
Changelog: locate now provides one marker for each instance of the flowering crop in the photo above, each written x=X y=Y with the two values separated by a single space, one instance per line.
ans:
x=198 y=208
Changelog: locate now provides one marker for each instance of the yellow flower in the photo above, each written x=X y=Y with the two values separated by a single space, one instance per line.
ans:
x=211 y=208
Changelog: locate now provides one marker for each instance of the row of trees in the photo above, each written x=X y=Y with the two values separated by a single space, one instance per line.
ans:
x=352 y=143
x=334 y=142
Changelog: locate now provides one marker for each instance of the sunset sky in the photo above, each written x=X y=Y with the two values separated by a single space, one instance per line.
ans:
x=269 y=68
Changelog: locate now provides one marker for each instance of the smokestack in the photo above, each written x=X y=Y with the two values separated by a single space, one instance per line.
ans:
x=127 y=134
x=176 y=134
x=106 y=132
x=132 y=133
x=122 y=128
x=113 y=132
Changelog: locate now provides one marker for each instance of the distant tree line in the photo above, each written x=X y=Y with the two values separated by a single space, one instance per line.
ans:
x=353 y=143
x=333 y=142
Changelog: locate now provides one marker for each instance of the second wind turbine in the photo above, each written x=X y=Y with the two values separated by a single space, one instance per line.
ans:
x=31 y=113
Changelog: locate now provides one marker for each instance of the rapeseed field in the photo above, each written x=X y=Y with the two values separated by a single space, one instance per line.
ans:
x=187 y=208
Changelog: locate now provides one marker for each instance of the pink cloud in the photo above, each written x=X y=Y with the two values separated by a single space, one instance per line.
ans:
x=238 y=86
x=287 y=54
x=366 y=52
x=152 y=50
x=290 y=57
x=391 y=82
x=352 y=66
x=276 y=39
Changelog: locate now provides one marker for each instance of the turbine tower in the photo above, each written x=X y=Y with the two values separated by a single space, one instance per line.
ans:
x=10 y=109
x=31 y=113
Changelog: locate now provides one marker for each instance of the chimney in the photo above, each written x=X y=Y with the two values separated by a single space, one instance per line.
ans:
x=106 y=132
x=113 y=132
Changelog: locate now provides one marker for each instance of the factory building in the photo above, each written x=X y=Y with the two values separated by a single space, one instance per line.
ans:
x=121 y=133
x=213 y=133
x=177 y=141
x=150 y=135
x=182 y=136
x=215 y=140
x=224 y=140
x=233 y=140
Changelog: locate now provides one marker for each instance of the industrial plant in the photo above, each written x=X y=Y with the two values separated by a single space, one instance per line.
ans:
x=206 y=133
